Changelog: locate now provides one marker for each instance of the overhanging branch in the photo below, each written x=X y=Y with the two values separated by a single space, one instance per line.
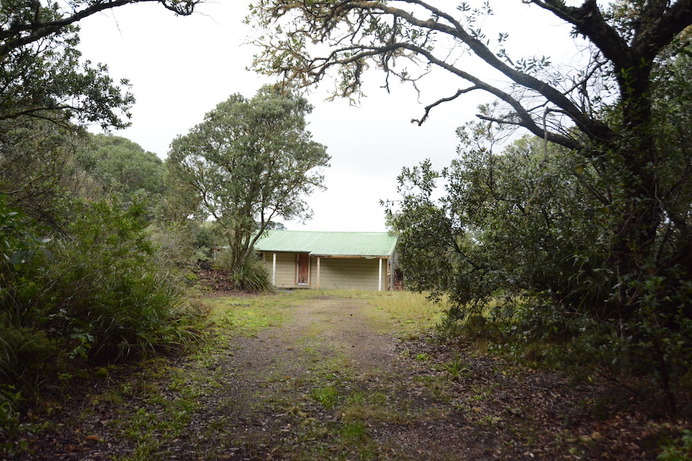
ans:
x=429 y=107
x=23 y=33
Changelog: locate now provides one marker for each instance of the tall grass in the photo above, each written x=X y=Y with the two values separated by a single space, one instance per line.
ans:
x=251 y=276
x=411 y=311
x=410 y=308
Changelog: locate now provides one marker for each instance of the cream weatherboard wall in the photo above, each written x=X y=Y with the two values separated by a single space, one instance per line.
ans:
x=285 y=268
x=334 y=273
x=348 y=274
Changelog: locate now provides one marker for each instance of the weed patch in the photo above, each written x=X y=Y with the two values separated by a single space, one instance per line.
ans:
x=411 y=312
x=327 y=396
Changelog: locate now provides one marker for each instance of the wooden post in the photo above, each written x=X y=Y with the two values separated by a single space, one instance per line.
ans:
x=379 y=278
x=391 y=274
x=318 y=272
x=274 y=269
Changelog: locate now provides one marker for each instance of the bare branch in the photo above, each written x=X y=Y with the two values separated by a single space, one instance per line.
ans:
x=23 y=33
x=429 y=107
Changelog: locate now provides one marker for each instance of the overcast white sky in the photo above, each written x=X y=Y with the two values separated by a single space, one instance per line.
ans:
x=182 y=67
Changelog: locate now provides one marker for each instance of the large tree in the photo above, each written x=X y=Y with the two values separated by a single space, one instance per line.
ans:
x=48 y=94
x=250 y=162
x=604 y=109
x=45 y=167
x=122 y=167
x=37 y=168
x=596 y=217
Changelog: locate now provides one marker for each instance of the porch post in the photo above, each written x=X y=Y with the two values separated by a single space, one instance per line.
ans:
x=318 y=272
x=274 y=269
x=391 y=274
x=379 y=278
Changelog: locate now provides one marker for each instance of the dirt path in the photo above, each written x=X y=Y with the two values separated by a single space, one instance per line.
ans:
x=330 y=383
x=328 y=378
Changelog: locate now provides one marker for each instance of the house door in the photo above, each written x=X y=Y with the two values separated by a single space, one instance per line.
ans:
x=303 y=269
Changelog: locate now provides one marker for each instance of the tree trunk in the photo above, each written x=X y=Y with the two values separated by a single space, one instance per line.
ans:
x=635 y=241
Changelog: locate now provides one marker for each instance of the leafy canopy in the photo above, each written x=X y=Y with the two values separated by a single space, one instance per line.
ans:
x=604 y=108
x=595 y=217
x=121 y=167
x=250 y=162
x=42 y=74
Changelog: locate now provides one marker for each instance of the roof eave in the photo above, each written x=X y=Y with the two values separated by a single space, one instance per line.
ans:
x=321 y=255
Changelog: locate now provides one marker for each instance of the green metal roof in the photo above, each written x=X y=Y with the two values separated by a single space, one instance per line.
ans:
x=362 y=244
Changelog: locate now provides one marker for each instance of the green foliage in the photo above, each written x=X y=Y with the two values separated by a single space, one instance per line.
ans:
x=44 y=167
x=457 y=368
x=10 y=400
x=42 y=74
x=355 y=432
x=51 y=81
x=94 y=289
x=28 y=357
x=179 y=244
x=112 y=299
x=252 y=276
x=100 y=296
x=119 y=167
x=249 y=162
x=18 y=243
x=327 y=396
x=592 y=221
x=507 y=222
x=679 y=450
x=423 y=234
x=523 y=243
x=37 y=172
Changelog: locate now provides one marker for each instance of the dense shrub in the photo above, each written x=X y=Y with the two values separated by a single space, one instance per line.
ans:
x=96 y=293
x=111 y=296
x=252 y=276
x=637 y=356
x=528 y=238
x=182 y=243
x=27 y=356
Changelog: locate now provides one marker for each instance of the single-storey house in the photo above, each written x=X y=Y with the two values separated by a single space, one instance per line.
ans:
x=328 y=260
